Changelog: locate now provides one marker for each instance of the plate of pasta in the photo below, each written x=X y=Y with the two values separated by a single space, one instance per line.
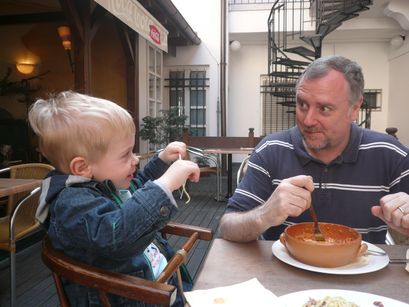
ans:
x=336 y=298
x=365 y=264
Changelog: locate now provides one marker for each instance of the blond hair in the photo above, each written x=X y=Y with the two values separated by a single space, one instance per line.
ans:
x=72 y=124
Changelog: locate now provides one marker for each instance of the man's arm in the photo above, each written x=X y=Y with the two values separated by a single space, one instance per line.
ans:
x=291 y=198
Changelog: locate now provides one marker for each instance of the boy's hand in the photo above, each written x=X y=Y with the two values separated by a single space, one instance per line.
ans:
x=172 y=152
x=178 y=173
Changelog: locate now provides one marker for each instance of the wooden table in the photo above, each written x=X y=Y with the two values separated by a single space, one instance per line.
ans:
x=13 y=186
x=229 y=152
x=229 y=263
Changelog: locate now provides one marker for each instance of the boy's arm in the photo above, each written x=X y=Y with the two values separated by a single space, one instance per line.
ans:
x=153 y=170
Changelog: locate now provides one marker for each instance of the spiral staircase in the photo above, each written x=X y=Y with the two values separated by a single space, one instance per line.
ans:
x=295 y=40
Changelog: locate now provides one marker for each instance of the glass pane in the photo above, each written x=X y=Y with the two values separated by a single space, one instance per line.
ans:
x=151 y=59
x=151 y=108
x=158 y=62
x=158 y=89
x=151 y=86
x=197 y=78
x=197 y=117
x=197 y=98
x=197 y=131
x=173 y=101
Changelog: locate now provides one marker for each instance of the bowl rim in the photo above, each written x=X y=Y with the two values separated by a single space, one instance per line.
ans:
x=323 y=243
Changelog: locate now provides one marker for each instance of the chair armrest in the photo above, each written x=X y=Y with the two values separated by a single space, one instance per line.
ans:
x=185 y=230
x=128 y=286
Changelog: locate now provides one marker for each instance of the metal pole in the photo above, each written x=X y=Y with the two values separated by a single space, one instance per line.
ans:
x=223 y=66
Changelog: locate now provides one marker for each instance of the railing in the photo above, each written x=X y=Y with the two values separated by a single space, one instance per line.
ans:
x=250 y=1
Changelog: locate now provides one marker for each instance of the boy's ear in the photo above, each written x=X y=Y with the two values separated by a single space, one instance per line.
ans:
x=79 y=166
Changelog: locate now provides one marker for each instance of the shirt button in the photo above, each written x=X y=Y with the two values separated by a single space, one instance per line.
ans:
x=164 y=211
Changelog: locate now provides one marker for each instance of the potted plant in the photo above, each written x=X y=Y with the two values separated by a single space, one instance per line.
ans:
x=162 y=130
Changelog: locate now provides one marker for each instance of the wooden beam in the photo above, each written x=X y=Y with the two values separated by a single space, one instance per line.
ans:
x=31 y=18
x=130 y=43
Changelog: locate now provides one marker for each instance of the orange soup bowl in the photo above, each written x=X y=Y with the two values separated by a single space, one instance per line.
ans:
x=342 y=245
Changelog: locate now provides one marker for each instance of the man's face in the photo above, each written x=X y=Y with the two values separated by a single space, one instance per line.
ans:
x=324 y=115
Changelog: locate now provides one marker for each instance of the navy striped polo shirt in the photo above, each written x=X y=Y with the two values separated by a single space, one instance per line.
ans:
x=373 y=165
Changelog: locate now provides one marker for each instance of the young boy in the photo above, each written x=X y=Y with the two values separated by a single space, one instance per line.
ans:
x=96 y=207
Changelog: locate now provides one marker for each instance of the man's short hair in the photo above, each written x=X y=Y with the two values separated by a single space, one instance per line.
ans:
x=350 y=69
x=71 y=124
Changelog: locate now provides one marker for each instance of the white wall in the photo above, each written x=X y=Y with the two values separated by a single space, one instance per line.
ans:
x=206 y=22
x=399 y=88
x=373 y=58
x=244 y=105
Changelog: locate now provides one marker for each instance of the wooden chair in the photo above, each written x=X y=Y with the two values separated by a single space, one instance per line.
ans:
x=20 y=224
x=134 y=288
x=24 y=171
x=213 y=168
x=242 y=169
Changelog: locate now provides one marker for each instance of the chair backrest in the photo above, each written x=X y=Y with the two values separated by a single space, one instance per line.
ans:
x=22 y=221
x=157 y=292
x=103 y=281
x=242 y=169
x=26 y=171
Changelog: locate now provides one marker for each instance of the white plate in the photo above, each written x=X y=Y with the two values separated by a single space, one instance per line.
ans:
x=364 y=264
x=362 y=299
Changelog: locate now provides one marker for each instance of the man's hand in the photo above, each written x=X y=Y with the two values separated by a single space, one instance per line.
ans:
x=393 y=209
x=291 y=198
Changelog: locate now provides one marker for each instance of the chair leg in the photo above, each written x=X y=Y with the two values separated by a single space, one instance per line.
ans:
x=12 y=278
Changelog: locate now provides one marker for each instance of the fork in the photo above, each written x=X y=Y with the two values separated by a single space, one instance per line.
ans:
x=317 y=232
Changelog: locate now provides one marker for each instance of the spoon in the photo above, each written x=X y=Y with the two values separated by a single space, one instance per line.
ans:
x=317 y=232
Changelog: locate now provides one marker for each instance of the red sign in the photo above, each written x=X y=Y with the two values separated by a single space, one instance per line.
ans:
x=154 y=34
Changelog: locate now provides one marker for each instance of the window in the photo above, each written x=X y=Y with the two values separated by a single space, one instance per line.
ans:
x=188 y=93
x=155 y=80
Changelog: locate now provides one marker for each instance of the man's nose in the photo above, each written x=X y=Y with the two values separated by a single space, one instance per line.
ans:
x=310 y=118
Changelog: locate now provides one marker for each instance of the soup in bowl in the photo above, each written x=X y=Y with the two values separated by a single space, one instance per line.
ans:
x=342 y=245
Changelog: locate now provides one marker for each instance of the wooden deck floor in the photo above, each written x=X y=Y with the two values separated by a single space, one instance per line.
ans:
x=35 y=286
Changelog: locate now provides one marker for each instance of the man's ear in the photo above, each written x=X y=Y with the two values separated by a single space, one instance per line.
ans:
x=79 y=166
x=355 y=109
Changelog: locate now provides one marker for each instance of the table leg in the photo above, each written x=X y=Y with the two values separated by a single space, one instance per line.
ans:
x=229 y=176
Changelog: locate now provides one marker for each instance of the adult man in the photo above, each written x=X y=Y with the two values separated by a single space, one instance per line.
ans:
x=353 y=176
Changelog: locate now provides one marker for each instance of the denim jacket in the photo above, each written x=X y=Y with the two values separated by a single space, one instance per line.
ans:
x=88 y=222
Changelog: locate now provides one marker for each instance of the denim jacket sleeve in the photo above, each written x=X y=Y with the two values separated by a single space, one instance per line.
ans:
x=82 y=218
x=153 y=170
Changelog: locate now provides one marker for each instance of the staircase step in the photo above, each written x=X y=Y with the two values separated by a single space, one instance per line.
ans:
x=325 y=29
x=302 y=51
x=283 y=95
x=287 y=103
x=282 y=84
x=313 y=40
x=292 y=63
x=287 y=74
x=345 y=7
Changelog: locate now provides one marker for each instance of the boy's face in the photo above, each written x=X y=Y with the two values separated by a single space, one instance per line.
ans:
x=118 y=164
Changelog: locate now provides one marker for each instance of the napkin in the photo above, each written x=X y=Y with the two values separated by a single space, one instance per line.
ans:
x=248 y=293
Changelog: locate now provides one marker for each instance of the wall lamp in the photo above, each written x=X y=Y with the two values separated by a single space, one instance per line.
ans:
x=65 y=34
x=397 y=41
x=235 y=45
x=25 y=68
